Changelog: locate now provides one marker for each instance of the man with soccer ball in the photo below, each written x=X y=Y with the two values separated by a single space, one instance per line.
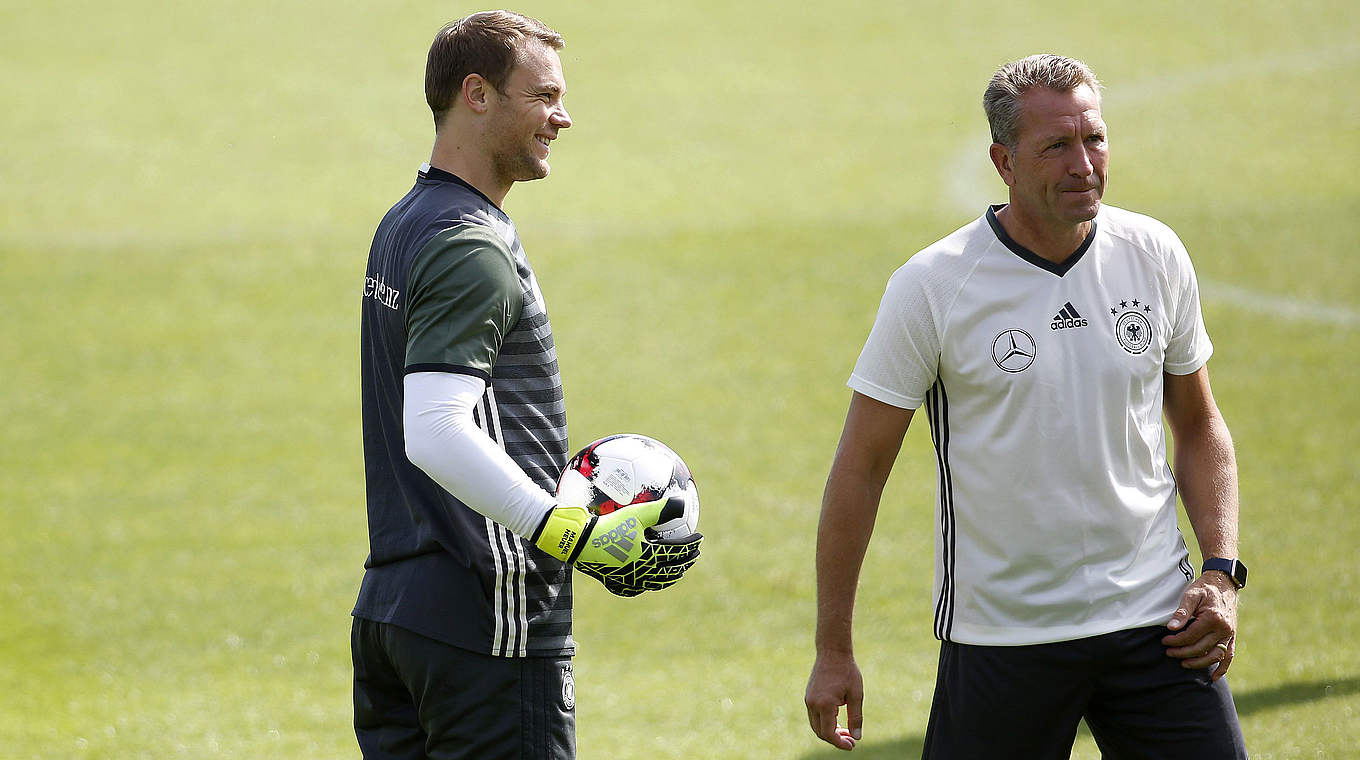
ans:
x=462 y=630
x=1047 y=341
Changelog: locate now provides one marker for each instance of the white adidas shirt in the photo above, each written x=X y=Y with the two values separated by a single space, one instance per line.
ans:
x=1056 y=508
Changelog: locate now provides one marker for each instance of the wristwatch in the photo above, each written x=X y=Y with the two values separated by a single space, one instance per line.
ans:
x=1233 y=568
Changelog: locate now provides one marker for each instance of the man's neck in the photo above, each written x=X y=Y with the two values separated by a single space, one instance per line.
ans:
x=470 y=165
x=1051 y=242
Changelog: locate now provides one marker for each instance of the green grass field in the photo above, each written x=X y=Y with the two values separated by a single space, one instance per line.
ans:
x=187 y=194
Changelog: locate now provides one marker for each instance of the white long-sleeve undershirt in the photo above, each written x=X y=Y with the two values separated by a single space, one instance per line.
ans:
x=443 y=440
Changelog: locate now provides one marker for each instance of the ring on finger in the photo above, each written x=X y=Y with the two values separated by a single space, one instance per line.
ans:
x=1224 y=647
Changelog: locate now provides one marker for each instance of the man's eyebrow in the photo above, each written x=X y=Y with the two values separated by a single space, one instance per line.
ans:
x=1086 y=129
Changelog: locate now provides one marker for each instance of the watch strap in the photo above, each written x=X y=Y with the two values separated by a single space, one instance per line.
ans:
x=1233 y=568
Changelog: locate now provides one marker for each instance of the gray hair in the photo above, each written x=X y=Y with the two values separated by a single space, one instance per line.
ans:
x=1001 y=100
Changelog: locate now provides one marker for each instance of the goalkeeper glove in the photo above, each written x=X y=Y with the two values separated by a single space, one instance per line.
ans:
x=619 y=549
x=661 y=565
x=573 y=534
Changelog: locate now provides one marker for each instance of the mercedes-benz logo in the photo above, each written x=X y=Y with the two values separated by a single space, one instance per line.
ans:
x=1014 y=350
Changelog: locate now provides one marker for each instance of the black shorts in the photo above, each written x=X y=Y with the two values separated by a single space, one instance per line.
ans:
x=1026 y=702
x=417 y=698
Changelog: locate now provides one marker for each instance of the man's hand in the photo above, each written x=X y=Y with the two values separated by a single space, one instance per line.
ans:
x=619 y=549
x=1204 y=628
x=836 y=681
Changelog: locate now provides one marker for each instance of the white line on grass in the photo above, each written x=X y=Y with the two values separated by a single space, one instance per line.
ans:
x=970 y=179
x=1279 y=306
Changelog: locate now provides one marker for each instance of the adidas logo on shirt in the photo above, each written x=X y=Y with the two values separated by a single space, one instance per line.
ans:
x=1067 y=317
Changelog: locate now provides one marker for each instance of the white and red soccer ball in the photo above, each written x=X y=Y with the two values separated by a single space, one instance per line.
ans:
x=625 y=469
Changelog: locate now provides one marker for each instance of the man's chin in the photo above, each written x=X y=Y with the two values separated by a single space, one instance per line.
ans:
x=534 y=171
x=1082 y=213
x=527 y=176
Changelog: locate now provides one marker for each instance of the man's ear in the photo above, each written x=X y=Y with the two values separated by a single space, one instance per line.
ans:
x=476 y=92
x=1003 y=161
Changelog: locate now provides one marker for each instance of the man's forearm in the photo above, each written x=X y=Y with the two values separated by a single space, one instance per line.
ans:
x=864 y=459
x=847 y=521
x=1206 y=473
x=1205 y=464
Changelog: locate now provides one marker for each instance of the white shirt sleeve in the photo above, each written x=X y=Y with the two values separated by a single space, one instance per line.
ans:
x=900 y=359
x=443 y=440
x=1188 y=347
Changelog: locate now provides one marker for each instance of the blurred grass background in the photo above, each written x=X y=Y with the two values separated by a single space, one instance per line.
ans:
x=187 y=194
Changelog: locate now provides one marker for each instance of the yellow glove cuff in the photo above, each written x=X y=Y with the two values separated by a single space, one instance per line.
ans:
x=561 y=531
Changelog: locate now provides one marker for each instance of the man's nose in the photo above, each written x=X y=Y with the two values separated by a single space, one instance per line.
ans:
x=1082 y=166
x=559 y=117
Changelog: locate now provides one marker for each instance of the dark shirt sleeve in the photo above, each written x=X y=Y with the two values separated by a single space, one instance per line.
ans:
x=465 y=298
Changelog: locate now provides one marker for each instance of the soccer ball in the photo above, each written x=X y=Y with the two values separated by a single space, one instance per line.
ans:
x=626 y=469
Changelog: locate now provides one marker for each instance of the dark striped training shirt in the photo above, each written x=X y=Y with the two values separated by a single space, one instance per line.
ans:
x=449 y=289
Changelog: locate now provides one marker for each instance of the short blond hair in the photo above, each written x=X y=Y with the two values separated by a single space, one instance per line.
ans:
x=1001 y=100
